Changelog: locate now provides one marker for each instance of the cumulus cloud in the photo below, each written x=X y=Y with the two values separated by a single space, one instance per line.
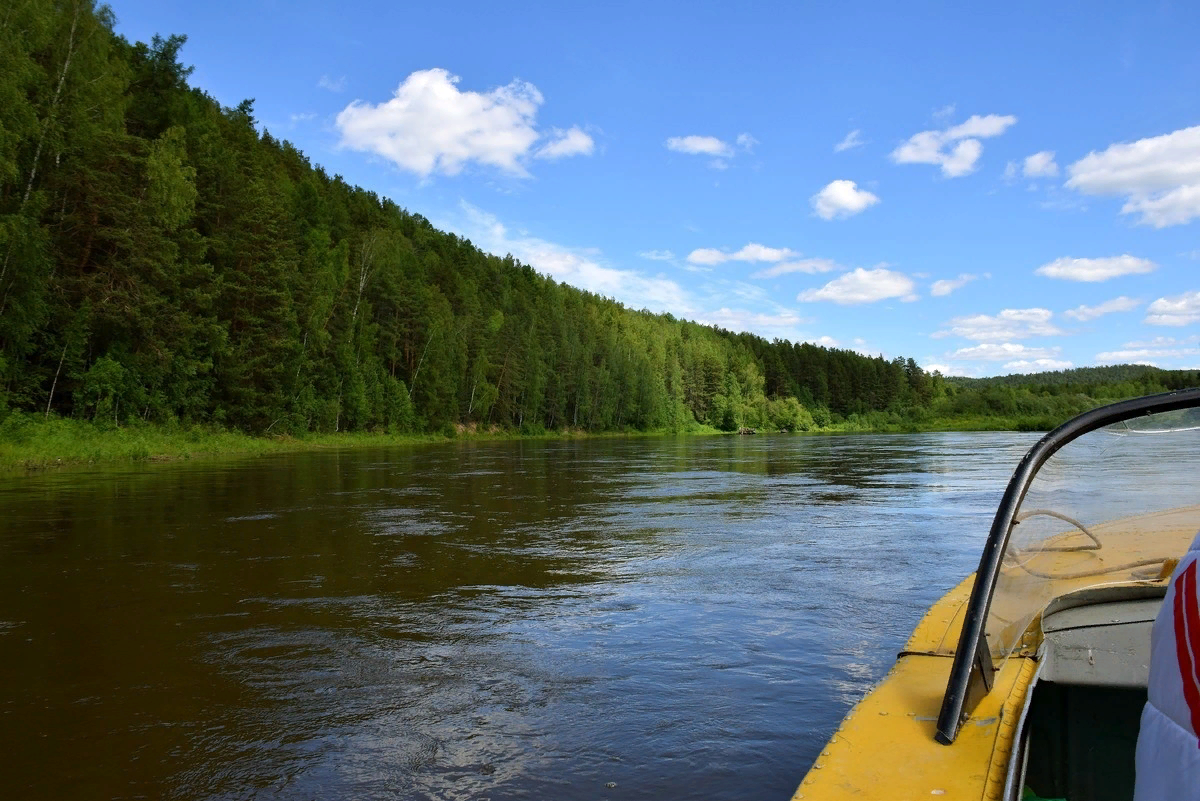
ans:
x=752 y=252
x=1040 y=165
x=853 y=139
x=1003 y=352
x=1070 y=269
x=1085 y=313
x=720 y=150
x=1008 y=324
x=1037 y=365
x=810 y=266
x=947 y=285
x=700 y=146
x=431 y=126
x=955 y=149
x=1158 y=176
x=1178 y=310
x=573 y=142
x=863 y=286
x=841 y=199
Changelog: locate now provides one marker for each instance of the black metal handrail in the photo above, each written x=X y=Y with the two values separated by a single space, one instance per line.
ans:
x=971 y=673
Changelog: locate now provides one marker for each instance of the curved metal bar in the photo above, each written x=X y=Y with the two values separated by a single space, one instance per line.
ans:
x=971 y=673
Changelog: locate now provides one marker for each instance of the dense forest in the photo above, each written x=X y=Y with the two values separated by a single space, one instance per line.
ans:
x=163 y=260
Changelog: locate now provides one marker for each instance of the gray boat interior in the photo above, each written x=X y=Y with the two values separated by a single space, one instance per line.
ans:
x=1080 y=729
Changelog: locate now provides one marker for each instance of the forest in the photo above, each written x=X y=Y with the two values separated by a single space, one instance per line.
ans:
x=163 y=261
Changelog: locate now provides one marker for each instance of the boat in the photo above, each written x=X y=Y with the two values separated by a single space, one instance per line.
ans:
x=1028 y=678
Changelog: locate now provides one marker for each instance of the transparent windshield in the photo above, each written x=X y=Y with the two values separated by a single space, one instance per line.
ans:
x=1108 y=507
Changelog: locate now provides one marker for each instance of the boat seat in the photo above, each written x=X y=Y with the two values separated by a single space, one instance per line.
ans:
x=1101 y=637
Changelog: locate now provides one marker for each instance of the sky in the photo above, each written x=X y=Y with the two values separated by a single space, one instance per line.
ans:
x=987 y=190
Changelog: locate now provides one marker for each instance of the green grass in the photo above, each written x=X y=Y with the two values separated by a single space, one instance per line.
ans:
x=30 y=443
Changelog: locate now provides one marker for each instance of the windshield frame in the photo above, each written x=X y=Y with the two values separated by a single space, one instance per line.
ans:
x=972 y=671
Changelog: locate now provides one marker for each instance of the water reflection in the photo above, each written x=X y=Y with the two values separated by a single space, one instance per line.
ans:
x=683 y=617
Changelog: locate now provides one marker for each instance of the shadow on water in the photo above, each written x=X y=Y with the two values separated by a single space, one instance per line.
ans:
x=681 y=617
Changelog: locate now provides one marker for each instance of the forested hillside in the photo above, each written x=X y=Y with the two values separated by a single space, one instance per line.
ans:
x=162 y=260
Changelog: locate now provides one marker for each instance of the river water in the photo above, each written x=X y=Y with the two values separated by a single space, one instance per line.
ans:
x=602 y=618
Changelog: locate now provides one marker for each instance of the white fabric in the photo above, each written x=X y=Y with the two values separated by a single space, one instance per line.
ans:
x=1168 y=751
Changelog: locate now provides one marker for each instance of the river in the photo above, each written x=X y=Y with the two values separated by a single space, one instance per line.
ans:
x=623 y=618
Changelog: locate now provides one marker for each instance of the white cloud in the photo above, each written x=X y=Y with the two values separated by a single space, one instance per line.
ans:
x=1164 y=342
x=584 y=268
x=331 y=84
x=841 y=199
x=1085 y=313
x=1040 y=165
x=573 y=142
x=944 y=113
x=955 y=149
x=863 y=286
x=1145 y=355
x=1037 y=365
x=707 y=256
x=430 y=126
x=809 y=266
x=853 y=139
x=751 y=252
x=1178 y=310
x=1159 y=176
x=1008 y=324
x=576 y=267
x=657 y=255
x=746 y=142
x=948 y=285
x=1011 y=170
x=1002 y=352
x=742 y=320
x=952 y=369
x=1096 y=269
x=756 y=252
x=700 y=146
x=1168 y=208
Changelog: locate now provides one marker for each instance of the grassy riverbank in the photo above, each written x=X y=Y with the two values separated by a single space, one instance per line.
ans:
x=29 y=443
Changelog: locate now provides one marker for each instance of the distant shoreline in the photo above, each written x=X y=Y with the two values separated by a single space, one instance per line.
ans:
x=29 y=445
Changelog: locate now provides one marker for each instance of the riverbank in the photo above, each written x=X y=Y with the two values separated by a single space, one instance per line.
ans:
x=30 y=444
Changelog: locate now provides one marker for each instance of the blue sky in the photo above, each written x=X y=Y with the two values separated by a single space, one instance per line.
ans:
x=986 y=190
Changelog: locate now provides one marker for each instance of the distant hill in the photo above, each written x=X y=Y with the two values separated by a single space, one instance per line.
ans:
x=1078 y=378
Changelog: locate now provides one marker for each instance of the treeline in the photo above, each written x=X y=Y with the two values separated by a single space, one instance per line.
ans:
x=1110 y=381
x=162 y=260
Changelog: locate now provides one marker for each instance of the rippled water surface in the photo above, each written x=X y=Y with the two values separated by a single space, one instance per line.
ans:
x=609 y=618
